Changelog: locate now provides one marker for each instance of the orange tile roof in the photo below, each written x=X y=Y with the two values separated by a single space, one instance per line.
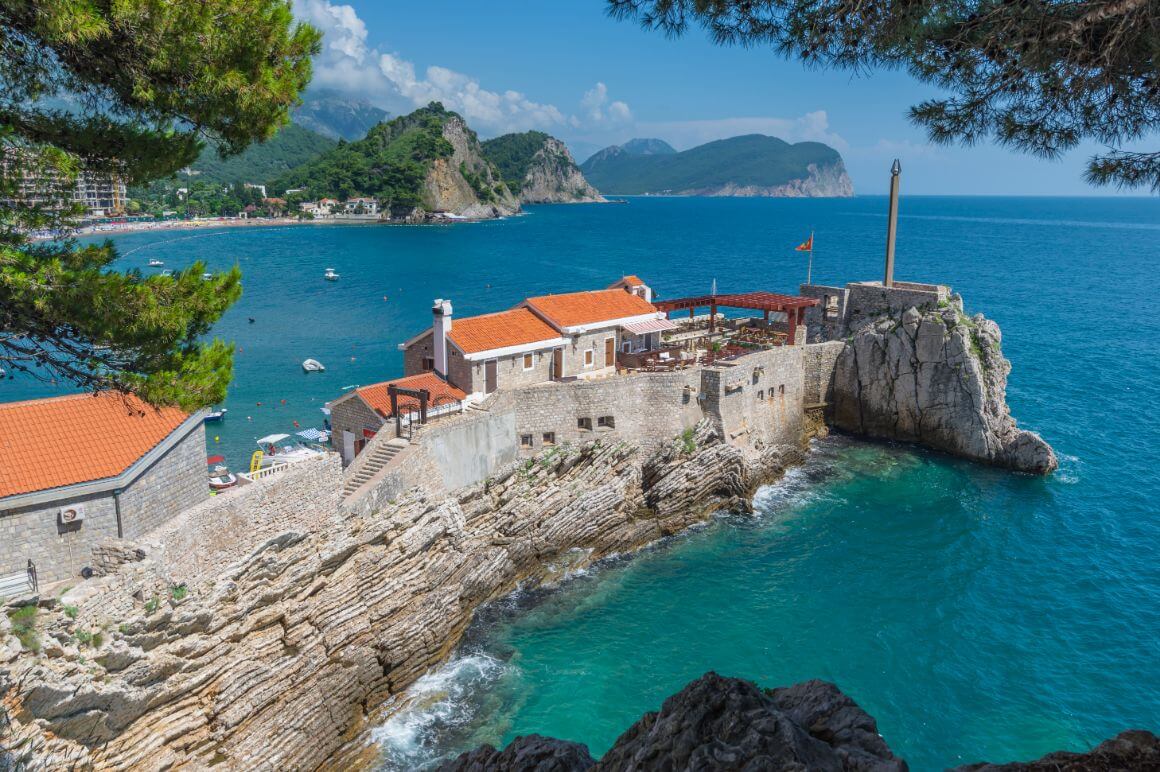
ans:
x=49 y=443
x=577 y=308
x=631 y=280
x=442 y=392
x=516 y=327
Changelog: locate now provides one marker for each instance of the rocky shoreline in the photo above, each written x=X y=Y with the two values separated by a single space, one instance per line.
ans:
x=718 y=723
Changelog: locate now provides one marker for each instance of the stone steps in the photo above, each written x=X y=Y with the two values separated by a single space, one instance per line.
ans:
x=379 y=456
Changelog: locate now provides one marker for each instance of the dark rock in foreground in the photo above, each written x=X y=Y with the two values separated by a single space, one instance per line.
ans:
x=718 y=723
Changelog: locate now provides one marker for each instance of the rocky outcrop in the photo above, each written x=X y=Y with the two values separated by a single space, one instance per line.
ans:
x=937 y=377
x=822 y=181
x=718 y=723
x=273 y=663
x=465 y=183
x=553 y=177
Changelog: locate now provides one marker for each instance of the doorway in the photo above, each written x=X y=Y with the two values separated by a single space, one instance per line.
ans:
x=609 y=352
x=490 y=376
x=557 y=364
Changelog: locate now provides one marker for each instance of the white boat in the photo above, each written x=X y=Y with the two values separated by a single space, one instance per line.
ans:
x=283 y=449
x=312 y=366
x=331 y=275
x=216 y=415
x=206 y=276
x=155 y=263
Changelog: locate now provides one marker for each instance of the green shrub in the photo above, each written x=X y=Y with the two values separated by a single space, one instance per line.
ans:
x=71 y=612
x=24 y=627
x=179 y=592
x=152 y=605
x=688 y=442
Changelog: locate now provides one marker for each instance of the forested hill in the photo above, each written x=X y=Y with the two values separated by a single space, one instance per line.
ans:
x=289 y=148
x=539 y=169
x=751 y=165
x=427 y=161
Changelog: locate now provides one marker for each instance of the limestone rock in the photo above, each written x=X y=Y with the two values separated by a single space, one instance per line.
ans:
x=554 y=178
x=1131 y=750
x=939 y=378
x=446 y=189
x=532 y=753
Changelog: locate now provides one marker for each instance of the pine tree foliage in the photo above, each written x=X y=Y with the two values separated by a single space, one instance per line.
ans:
x=133 y=89
x=1039 y=76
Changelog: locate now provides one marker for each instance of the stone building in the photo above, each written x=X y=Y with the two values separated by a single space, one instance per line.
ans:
x=357 y=416
x=843 y=309
x=77 y=469
x=563 y=337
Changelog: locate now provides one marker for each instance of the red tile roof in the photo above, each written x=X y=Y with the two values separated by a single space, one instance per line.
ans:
x=442 y=392
x=631 y=280
x=49 y=443
x=516 y=327
x=576 y=308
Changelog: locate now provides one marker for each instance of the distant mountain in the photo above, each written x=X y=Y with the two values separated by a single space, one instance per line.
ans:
x=289 y=148
x=415 y=165
x=750 y=165
x=539 y=169
x=337 y=117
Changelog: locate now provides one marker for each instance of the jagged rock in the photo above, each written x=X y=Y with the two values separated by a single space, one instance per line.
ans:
x=10 y=649
x=532 y=753
x=272 y=663
x=554 y=178
x=446 y=189
x=725 y=723
x=1126 y=752
x=939 y=378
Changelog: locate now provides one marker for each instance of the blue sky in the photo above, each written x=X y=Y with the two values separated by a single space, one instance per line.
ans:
x=565 y=67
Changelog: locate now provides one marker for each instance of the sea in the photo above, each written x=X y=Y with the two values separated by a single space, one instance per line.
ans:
x=975 y=613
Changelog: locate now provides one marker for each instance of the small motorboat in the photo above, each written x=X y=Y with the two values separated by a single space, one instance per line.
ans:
x=276 y=450
x=155 y=263
x=331 y=275
x=313 y=366
x=220 y=477
x=206 y=276
x=216 y=415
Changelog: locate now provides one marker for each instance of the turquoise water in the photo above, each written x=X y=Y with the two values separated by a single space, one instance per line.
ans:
x=976 y=614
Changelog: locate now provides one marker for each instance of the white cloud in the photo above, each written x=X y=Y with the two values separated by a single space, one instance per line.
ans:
x=348 y=65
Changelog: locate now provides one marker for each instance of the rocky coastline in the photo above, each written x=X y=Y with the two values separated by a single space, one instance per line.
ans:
x=718 y=723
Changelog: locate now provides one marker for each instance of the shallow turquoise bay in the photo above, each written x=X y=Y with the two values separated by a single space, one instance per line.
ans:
x=976 y=614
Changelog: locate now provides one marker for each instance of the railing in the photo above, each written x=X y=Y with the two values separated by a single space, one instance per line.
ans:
x=19 y=583
x=264 y=472
x=33 y=581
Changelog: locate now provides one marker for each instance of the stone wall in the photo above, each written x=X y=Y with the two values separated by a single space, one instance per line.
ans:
x=590 y=341
x=756 y=401
x=174 y=482
x=469 y=448
x=177 y=481
x=351 y=415
x=868 y=300
x=827 y=320
x=818 y=362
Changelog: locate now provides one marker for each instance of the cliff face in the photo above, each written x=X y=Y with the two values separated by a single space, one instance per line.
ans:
x=539 y=169
x=828 y=180
x=554 y=178
x=465 y=183
x=276 y=661
x=937 y=377
x=718 y=723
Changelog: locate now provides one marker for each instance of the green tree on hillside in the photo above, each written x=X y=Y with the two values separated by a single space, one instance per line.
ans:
x=133 y=89
x=1038 y=76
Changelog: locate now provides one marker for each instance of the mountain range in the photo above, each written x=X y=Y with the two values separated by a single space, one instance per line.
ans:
x=749 y=165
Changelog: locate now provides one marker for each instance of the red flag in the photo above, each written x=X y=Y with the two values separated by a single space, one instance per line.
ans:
x=807 y=245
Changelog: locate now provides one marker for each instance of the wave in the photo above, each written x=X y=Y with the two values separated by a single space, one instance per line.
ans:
x=443 y=702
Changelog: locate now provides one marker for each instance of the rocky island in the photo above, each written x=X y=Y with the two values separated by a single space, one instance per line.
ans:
x=539 y=169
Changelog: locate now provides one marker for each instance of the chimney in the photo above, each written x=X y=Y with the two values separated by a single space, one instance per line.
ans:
x=441 y=327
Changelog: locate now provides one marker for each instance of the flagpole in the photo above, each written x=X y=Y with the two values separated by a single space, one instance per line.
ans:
x=810 y=264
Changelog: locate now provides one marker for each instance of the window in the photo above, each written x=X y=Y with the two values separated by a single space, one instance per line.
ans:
x=549 y=438
x=607 y=421
x=781 y=389
x=588 y=358
x=428 y=364
x=756 y=377
x=584 y=424
x=529 y=361
x=525 y=440
x=760 y=396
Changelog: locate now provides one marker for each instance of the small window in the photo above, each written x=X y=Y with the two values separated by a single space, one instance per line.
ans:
x=584 y=424
x=428 y=364
x=760 y=396
x=781 y=389
x=588 y=358
x=756 y=377
x=549 y=438
x=525 y=440
x=607 y=421
x=529 y=361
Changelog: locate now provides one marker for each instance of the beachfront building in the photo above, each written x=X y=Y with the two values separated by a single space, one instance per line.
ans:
x=75 y=470
x=569 y=336
x=98 y=194
x=361 y=205
x=357 y=416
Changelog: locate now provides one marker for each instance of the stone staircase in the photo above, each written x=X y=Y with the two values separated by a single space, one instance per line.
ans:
x=377 y=456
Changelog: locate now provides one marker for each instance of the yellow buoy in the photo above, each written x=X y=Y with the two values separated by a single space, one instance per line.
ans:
x=256 y=461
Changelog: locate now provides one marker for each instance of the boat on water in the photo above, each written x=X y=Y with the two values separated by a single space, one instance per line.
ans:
x=331 y=275
x=155 y=263
x=206 y=276
x=313 y=366
x=166 y=272
x=216 y=415
x=284 y=449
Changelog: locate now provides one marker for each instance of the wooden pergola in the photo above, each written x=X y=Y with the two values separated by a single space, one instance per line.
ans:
x=793 y=306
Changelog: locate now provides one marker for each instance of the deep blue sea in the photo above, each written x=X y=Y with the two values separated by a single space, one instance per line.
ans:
x=976 y=614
